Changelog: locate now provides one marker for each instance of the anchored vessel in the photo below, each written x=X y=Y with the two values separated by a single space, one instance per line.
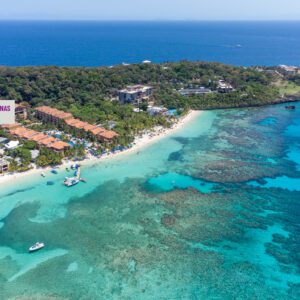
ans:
x=36 y=247
x=290 y=107
x=70 y=181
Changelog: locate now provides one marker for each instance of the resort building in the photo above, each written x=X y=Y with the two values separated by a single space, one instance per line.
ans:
x=156 y=110
x=79 y=127
x=196 y=91
x=12 y=145
x=38 y=137
x=135 y=94
x=52 y=115
x=4 y=166
x=289 y=70
x=224 y=87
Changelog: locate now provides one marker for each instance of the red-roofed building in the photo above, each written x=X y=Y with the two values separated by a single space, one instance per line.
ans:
x=59 y=146
x=106 y=136
x=47 y=141
x=79 y=127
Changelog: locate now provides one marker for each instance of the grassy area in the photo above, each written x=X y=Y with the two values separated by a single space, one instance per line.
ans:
x=287 y=88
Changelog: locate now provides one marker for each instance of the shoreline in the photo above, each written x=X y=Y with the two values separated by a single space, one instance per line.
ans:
x=140 y=142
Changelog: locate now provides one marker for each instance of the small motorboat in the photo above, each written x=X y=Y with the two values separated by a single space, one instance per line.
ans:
x=83 y=180
x=71 y=181
x=43 y=174
x=290 y=107
x=36 y=247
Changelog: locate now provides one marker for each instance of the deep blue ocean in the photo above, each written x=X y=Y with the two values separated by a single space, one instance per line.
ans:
x=111 y=43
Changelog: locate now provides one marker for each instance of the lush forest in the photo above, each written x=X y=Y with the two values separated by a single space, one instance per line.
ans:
x=90 y=93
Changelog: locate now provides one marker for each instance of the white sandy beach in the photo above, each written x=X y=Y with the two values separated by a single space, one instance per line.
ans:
x=139 y=143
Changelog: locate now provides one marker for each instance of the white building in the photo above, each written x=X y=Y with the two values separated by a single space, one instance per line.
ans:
x=289 y=70
x=156 y=110
x=12 y=145
x=224 y=87
x=135 y=94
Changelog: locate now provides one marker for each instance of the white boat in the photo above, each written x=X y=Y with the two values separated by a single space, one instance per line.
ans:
x=36 y=247
x=70 y=181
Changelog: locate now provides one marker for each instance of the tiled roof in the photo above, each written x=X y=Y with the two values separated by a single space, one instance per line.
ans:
x=79 y=124
x=97 y=130
x=40 y=136
x=108 y=134
x=71 y=121
x=76 y=123
x=18 y=131
x=10 y=126
x=59 y=145
x=47 y=141
x=89 y=127
x=29 y=133
x=54 y=112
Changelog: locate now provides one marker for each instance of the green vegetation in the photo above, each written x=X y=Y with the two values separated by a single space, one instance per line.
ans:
x=288 y=87
x=21 y=158
x=48 y=157
x=90 y=93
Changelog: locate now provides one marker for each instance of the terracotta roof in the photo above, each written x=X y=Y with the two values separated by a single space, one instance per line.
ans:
x=108 y=134
x=18 y=131
x=40 y=136
x=29 y=134
x=47 y=141
x=10 y=126
x=89 y=127
x=54 y=112
x=59 y=145
x=71 y=121
x=79 y=124
x=97 y=130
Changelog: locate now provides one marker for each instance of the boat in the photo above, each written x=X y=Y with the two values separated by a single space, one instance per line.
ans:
x=70 y=181
x=67 y=169
x=290 y=107
x=43 y=174
x=83 y=180
x=37 y=246
x=54 y=172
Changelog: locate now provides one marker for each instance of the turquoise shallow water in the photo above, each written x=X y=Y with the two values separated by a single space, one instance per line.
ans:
x=211 y=212
x=171 y=181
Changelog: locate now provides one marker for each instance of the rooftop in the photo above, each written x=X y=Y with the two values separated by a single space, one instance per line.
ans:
x=59 y=145
x=47 y=141
x=10 y=126
x=54 y=112
x=38 y=137
x=29 y=133
x=18 y=131
x=108 y=134
x=97 y=130
x=135 y=89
